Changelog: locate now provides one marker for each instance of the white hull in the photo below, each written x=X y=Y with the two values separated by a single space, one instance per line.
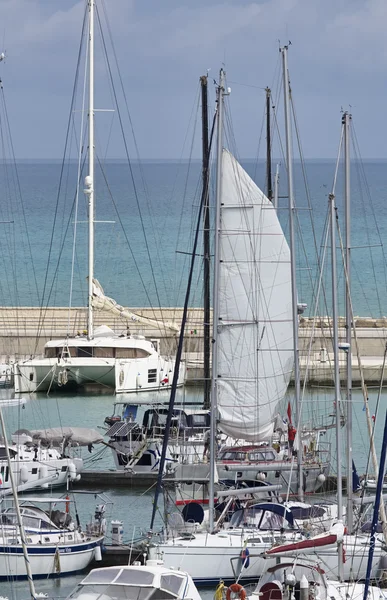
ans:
x=208 y=557
x=47 y=561
x=41 y=474
x=41 y=375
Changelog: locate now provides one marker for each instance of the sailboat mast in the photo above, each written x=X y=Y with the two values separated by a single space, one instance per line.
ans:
x=336 y=372
x=289 y=161
x=17 y=510
x=346 y=120
x=215 y=315
x=269 y=183
x=89 y=181
x=206 y=243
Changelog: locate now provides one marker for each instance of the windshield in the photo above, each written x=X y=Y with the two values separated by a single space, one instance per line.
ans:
x=256 y=517
x=119 y=592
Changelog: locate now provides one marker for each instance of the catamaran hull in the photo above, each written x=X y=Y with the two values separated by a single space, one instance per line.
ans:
x=213 y=557
x=48 y=561
x=131 y=375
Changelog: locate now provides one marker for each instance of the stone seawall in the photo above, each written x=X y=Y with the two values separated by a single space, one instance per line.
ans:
x=25 y=330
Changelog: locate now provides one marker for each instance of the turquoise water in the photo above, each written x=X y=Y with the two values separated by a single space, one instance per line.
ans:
x=141 y=240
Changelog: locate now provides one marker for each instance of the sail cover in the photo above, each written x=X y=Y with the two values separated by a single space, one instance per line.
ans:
x=79 y=436
x=103 y=302
x=255 y=330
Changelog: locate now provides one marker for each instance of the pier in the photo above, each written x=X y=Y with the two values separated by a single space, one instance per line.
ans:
x=25 y=330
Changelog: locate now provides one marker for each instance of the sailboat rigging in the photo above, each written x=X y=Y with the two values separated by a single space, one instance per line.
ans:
x=98 y=355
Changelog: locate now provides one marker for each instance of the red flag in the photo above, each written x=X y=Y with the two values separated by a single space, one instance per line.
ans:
x=289 y=413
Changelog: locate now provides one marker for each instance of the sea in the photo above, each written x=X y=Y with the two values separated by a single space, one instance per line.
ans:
x=145 y=221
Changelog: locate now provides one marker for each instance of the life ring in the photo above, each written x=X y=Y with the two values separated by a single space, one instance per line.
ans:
x=236 y=588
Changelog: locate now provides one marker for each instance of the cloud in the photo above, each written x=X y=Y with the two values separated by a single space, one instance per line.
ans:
x=337 y=56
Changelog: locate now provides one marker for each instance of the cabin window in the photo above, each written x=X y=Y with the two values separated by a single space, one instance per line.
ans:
x=46 y=539
x=84 y=351
x=140 y=353
x=34 y=471
x=64 y=469
x=172 y=583
x=31 y=376
x=152 y=375
x=50 y=352
x=125 y=352
x=233 y=456
x=145 y=460
x=104 y=352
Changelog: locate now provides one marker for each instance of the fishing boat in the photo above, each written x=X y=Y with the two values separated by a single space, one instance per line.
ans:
x=152 y=580
x=55 y=544
x=121 y=360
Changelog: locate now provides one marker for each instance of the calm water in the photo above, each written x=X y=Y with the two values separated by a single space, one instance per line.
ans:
x=141 y=237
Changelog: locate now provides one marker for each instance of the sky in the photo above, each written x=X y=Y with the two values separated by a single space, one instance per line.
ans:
x=337 y=60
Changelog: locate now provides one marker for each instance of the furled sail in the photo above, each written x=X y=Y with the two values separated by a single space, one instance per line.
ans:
x=255 y=330
x=102 y=302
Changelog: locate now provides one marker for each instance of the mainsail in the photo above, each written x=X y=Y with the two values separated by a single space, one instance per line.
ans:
x=103 y=302
x=255 y=343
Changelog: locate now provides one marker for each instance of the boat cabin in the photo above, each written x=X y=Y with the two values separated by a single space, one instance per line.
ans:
x=263 y=516
x=136 y=583
x=248 y=454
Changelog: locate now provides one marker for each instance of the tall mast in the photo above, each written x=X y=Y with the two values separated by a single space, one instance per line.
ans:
x=206 y=243
x=346 y=120
x=289 y=161
x=89 y=180
x=269 y=184
x=18 y=513
x=336 y=373
x=215 y=315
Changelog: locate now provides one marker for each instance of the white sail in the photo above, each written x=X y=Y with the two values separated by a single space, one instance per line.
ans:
x=103 y=302
x=255 y=340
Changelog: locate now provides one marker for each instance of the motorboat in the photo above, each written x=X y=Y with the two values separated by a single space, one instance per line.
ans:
x=152 y=581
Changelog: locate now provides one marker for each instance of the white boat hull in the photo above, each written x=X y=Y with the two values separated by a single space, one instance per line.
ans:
x=46 y=560
x=210 y=558
x=42 y=375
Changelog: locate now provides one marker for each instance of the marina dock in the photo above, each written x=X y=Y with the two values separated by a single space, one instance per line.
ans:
x=25 y=330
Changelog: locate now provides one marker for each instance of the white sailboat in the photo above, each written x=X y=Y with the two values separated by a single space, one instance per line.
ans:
x=127 y=363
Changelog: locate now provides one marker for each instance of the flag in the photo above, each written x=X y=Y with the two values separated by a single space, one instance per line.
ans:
x=289 y=413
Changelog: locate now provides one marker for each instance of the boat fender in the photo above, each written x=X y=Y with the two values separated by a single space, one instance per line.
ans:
x=43 y=472
x=245 y=556
x=236 y=588
x=138 y=380
x=72 y=471
x=24 y=474
x=122 y=376
x=98 y=553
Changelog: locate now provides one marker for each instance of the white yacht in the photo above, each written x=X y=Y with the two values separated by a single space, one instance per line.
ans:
x=126 y=363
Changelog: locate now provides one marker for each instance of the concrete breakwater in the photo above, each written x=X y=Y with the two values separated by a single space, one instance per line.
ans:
x=25 y=330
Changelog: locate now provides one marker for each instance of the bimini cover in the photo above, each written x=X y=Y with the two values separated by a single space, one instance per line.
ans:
x=255 y=328
x=80 y=436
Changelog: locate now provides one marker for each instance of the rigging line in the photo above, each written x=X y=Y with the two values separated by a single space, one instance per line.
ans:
x=43 y=309
x=259 y=143
x=131 y=172
x=186 y=186
x=306 y=255
x=365 y=393
x=77 y=196
x=176 y=371
x=369 y=205
x=19 y=189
